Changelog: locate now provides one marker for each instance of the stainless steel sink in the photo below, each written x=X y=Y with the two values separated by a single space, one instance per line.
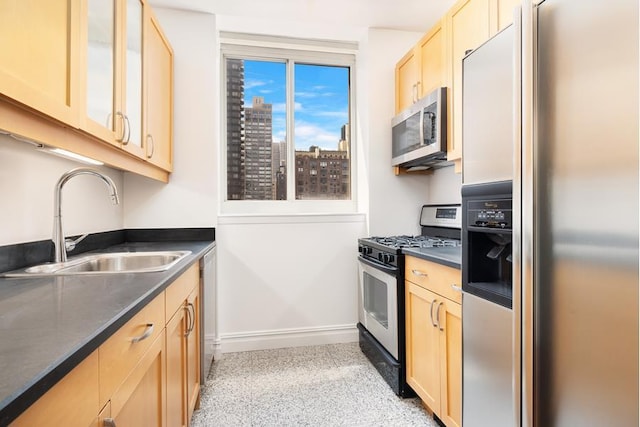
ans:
x=106 y=263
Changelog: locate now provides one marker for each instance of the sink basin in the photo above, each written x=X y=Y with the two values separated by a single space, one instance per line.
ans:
x=106 y=263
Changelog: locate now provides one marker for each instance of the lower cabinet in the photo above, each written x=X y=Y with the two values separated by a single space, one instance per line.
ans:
x=73 y=401
x=177 y=369
x=183 y=348
x=193 y=353
x=146 y=374
x=140 y=400
x=434 y=347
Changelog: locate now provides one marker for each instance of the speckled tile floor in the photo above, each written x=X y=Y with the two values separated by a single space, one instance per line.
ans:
x=328 y=385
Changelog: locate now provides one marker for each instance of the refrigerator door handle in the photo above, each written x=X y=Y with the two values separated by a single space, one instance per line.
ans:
x=516 y=254
x=524 y=193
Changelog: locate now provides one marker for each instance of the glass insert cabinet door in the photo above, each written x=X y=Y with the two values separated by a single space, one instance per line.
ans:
x=100 y=91
x=133 y=71
x=114 y=71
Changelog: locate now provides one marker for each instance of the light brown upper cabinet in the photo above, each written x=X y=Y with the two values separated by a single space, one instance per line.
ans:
x=99 y=61
x=158 y=95
x=131 y=105
x=39 y=46
x=422 y=69
x=468 y=26
x=502 y=14
x=112 y=40
x=406 y=80
x=436 y=60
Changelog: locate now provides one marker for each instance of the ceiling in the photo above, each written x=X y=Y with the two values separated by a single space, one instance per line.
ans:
x=407 y=15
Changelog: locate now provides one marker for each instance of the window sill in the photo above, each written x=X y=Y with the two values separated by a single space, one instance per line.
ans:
x=301 y=218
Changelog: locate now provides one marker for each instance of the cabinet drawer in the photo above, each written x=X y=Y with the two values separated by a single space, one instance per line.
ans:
x=180 y=289
x=120 y=353
x=433 y=276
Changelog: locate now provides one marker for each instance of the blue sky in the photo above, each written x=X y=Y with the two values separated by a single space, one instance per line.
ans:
x=321 y=100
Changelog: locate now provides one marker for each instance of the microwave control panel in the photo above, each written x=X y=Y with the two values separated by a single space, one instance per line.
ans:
x=490 y=214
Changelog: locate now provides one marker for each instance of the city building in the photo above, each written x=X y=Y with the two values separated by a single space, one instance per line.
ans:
x=322 y=174
x=258 y=180
x=278 y=167
x=345 y=137
x=235 y=129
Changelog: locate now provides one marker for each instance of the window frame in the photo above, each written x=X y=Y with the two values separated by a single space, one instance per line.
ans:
x=290 y=51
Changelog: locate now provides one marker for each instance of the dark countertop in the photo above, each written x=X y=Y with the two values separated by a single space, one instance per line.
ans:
x=49 y=325
x=449 y=256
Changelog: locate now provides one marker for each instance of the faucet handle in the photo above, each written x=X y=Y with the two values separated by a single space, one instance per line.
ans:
x=70 y=244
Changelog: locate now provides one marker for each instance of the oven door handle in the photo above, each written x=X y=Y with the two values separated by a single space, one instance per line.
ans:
x=389 y=270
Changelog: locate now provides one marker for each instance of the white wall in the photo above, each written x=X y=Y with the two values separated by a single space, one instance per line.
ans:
x=190 y=199
x=27 y=181
x=394 y=201
x=444 y=186
x=286 y=281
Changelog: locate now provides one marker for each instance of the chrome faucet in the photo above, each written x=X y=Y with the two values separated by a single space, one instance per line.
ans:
x=61 y=246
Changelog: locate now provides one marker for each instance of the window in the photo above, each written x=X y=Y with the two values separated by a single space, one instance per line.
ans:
x=288 y=115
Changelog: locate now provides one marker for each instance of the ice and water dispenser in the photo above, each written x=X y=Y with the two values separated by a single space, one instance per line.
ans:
x=486 y=232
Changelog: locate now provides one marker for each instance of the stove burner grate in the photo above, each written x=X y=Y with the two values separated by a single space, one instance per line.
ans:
x=415 y=242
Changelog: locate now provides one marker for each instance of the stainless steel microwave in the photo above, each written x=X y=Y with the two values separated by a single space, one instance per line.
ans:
x=419 y=133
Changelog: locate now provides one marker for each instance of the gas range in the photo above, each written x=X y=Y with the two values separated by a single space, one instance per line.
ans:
x=381 y=293
x=440 y=225
x=386 y=250
x=400 y=242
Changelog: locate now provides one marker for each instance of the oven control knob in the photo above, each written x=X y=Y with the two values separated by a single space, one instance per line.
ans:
x=381 y=257
x=360 y=248
x=390 y=259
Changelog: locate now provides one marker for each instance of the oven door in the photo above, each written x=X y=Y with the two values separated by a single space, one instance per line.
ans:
x=378 y=302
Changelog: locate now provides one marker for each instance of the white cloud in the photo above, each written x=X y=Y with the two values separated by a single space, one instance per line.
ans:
x=336 y=114
x=306 y=94
x=251 y=83
x=307 y=134
x=281 y=107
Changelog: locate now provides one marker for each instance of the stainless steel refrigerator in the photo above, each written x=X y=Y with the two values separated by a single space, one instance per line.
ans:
x=578 y=188
x=575 y=215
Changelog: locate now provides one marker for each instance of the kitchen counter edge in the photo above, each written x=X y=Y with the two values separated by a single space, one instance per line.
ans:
x=449 y=256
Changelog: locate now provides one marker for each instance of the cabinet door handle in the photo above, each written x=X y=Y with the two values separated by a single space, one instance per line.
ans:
x=193 y=317
x=438 y=315
x=431 y=313
x=147 y=333
x=187 y=309
x=417 y=91
x=121 y=138
x=456 y=288
x=419 y=273
x=109 y=422
x=128 y=128
x=153 y=145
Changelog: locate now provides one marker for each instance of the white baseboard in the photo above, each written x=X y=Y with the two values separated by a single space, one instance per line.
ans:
x=280 y=338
